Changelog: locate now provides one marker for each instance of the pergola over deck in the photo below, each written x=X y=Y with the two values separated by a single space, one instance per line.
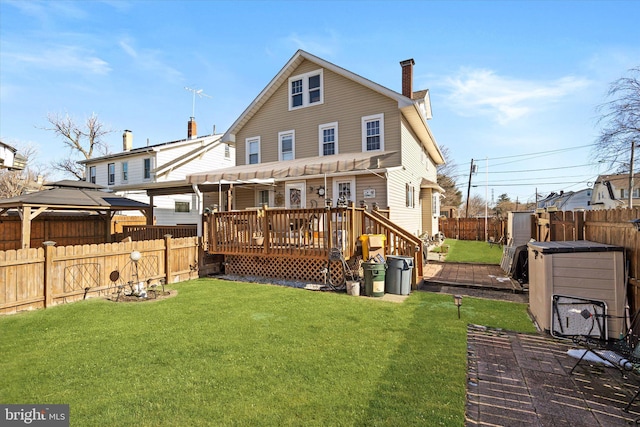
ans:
x=70 y=196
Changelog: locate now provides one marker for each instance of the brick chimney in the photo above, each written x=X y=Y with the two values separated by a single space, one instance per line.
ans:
x=192 y=129
x=127 y=140
x=407 y=77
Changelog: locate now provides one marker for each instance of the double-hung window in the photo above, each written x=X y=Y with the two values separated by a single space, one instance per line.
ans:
x=125 y=171
x=253 y=150
x=286 y=145
x=92 y=174
x=373 y=133
x=328 y=137
x=111 y=173
x=306 y=90
x=147 y=168
x=411 y=200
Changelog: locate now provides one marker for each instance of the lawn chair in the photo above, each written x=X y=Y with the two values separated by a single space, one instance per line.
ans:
x=622 y=353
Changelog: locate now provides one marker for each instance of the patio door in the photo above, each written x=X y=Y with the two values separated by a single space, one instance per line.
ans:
x=295 y=195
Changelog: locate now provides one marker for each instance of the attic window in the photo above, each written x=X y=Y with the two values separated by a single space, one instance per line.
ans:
x=306 y=90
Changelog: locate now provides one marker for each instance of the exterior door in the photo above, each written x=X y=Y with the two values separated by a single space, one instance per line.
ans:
x=295 y=195
x=344 y=190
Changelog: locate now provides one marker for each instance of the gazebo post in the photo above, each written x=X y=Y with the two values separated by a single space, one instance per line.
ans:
x=25 y=215
x=149 y=212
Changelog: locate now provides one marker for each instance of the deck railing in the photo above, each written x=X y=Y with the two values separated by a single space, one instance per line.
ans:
x=282 y=232
x=306 y=233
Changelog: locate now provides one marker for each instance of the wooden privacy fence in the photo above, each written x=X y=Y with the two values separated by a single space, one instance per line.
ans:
x=64 y=229
x=472 y=228
x=42 y=277
x=153 y=232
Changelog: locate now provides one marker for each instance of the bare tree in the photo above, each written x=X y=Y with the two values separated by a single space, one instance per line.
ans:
x=447 y=174
x=620 y=120
x=82 y=140
x=476 y=206
x=16 y=182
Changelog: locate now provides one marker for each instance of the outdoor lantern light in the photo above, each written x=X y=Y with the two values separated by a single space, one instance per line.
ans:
x=457 y=300
x=135 y=256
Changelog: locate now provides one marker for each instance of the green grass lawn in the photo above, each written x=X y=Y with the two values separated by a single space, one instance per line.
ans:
x=228 y=353
x=471 y=251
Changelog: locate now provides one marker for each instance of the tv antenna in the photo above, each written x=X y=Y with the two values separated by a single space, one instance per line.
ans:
x=200 y=94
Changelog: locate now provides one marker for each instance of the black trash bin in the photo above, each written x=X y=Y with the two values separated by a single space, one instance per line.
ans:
x=398 y=278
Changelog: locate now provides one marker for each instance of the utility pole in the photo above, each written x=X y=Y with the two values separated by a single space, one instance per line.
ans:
x=469 y=189
x=633 y=145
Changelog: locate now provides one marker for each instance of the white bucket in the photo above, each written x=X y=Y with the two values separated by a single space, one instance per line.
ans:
x=353 y=288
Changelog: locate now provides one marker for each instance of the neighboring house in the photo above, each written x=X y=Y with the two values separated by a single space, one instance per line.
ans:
x=155 y=174
x=10 y=158
x=318 y=134
x=568 y=201
x=612 y=191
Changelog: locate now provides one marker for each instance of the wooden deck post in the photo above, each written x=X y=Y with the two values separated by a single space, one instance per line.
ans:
x=167 y=257
x=49 y=250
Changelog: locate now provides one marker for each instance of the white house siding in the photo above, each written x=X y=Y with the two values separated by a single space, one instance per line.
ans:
x=212 y=159
x=416 y=166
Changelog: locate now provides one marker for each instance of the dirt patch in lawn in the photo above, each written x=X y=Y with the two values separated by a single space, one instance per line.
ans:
x=151 y=296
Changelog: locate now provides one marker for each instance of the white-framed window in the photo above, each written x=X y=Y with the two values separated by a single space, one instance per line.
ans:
x=146 y=168
x=306 y=90
x=264 y=197
x=111 y=173
x=373 y=133
x=624 y=193
x=435 y=205
x=287 y=145
x=328 y=139
x=411 y=196
x=182 y=206
x=92 y=174
x=344 y=190
x=125 y=171
x=253 y=150
x=227 y=151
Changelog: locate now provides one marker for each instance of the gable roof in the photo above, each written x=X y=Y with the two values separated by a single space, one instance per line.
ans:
x=409 y=107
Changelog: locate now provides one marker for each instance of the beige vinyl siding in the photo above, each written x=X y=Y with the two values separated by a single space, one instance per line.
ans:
x=244 y=197
x=345 y=102
x=371 y=182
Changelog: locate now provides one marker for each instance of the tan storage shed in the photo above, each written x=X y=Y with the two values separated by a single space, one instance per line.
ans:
x=581 y=269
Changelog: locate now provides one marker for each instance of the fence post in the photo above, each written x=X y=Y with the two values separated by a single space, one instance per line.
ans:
x=49 y=249
x=167 y=257
x=579 y=225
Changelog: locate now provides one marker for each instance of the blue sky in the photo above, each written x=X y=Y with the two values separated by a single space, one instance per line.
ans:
x=514 y=84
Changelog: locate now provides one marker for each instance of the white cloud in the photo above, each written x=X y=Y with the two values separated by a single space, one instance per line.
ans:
x=149 y=60
x=317 y=44
x=70 y=58
x=482 y=92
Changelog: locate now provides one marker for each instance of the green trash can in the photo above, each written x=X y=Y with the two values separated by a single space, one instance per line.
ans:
x=374 y=278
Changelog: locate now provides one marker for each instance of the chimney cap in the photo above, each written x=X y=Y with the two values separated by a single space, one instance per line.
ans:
x=407 y=62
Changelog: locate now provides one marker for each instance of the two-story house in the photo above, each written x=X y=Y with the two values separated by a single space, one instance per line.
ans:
x=318 y=133
x=568 y=200
x=10 y=158
x=612 y=191
x=155 y=174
